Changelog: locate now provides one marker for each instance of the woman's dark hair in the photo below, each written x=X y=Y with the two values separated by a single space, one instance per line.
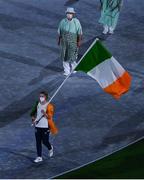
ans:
x=45 y=93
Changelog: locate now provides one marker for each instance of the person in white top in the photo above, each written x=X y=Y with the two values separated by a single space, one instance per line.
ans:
x=40 y=119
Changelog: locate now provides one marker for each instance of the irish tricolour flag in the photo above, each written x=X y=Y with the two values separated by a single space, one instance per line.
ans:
x=98 y=63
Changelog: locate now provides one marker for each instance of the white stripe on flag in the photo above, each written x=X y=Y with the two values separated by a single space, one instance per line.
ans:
x=107 y=72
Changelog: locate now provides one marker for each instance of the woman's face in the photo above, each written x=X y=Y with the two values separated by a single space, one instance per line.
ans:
x=42 y=98
x=69 y=16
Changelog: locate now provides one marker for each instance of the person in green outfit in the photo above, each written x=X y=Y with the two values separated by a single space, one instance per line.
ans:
x=70 y=35
x=109 y=14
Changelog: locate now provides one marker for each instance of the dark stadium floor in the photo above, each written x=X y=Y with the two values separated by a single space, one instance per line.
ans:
x=124 y=164
x=91 y=123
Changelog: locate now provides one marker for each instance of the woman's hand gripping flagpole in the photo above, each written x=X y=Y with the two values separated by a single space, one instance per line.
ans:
x=37 y=121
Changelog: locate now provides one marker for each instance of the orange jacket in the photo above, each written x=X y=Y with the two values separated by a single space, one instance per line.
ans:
x=50 y=113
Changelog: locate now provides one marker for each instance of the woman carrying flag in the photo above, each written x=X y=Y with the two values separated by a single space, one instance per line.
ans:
x=42 y=117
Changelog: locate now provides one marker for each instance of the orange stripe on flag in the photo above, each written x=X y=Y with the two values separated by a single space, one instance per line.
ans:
x=52 y=126
x=120 y=86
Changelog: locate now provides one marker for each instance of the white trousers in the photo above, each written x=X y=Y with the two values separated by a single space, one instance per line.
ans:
x=68 y=67
x=106 y=29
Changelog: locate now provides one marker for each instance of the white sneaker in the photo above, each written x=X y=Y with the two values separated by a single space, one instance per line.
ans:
x=66 y=74
x=111 y=30
x=74 y=72
x=51 y=152
x=38 y=159
x=105 y=31
x=66 y=66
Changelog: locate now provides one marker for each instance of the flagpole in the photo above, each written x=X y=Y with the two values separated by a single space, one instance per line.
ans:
x=71 y=72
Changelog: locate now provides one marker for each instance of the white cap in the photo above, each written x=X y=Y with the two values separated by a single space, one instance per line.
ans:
x=70 y=10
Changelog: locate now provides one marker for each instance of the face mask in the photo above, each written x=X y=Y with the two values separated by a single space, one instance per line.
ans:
x=42 y=99
x=69 y=16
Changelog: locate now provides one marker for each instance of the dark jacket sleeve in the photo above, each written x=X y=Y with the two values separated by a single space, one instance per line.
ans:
x=34 y=109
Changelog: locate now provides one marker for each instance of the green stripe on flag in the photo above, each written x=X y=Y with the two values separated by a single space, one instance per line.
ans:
x=97 y=54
